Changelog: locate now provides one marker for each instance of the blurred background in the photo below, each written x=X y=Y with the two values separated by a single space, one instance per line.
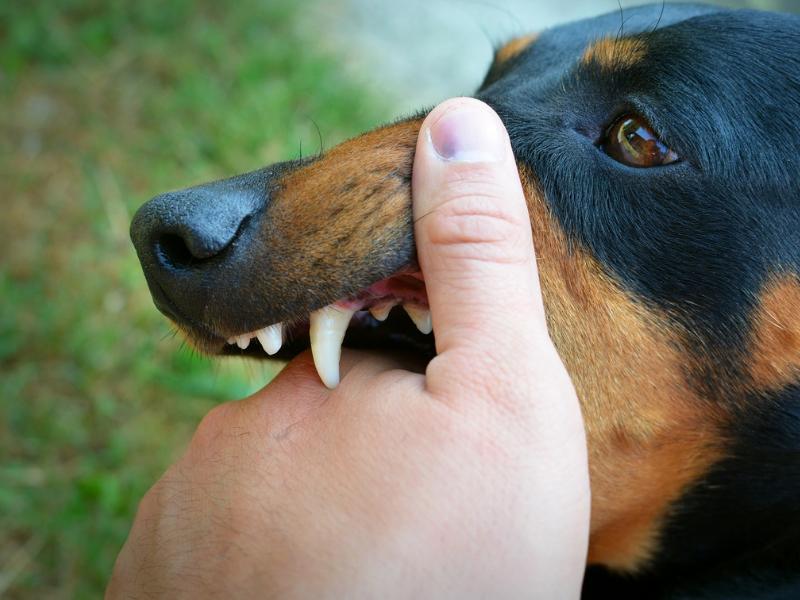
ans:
x=107 y=103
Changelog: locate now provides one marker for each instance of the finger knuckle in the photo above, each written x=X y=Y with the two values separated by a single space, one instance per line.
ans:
x=477 y=226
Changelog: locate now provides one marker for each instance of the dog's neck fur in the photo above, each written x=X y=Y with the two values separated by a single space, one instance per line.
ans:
x=738 y=529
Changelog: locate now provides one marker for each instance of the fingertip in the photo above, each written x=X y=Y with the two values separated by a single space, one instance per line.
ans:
x=473 y=233
x=465 y=130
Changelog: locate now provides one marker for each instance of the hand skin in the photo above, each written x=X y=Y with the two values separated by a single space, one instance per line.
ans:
x=467 y=481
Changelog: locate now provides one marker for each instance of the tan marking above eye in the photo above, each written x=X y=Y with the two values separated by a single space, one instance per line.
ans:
x=610 y=53
x=514 y=48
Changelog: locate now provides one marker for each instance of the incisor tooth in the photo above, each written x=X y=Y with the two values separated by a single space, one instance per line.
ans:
x=243 y=341
x=271 y=338
x=328 y=326
x=381 y=311
x=421 y=317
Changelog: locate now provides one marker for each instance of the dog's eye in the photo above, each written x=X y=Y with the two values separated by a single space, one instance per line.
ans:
x=631 y=141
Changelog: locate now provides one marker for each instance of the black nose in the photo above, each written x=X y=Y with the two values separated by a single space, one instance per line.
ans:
x=183 y=238
x=185 y=228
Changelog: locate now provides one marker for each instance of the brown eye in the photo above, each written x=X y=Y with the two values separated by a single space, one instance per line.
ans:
x=631 y=141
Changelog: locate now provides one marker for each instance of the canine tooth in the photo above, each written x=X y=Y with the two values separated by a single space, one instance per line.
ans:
x=421 y=317
x=243 y=341
x=328 y=326
x=232 y=341
x=271 y=338
x=381 y=311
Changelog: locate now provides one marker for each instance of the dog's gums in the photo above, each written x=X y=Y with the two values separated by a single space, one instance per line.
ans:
x=327 y=326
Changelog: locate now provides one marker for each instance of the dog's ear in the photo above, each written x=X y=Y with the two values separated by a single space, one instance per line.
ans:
x=505 y=56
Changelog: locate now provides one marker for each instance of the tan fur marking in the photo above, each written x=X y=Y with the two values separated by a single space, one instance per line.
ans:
x=611 y=53
x=514 y=48
x=649 y=435
x=775 y=345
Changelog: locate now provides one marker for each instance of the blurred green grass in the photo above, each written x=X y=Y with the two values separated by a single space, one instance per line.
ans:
x=106 y=103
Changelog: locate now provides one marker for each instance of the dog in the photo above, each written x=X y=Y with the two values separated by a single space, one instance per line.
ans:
x=660 y=159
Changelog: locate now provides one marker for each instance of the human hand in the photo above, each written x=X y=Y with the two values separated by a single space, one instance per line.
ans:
x=469 y=480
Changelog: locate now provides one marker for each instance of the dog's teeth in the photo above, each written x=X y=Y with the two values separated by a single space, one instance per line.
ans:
x=328 y=326
x=271 y=338
x=232 y=341
x=421 y=317
x=243 y=341
x=381 y=311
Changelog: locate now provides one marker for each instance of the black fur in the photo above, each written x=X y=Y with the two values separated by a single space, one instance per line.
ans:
x=698 y=238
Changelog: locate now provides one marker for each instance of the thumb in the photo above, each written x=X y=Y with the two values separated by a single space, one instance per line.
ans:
x=473 y=236
x=474 y=244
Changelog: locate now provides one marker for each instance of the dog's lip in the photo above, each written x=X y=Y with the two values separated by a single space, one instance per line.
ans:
x=397 y=332
x=406 y=288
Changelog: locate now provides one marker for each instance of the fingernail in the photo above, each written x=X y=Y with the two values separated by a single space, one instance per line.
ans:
x=466 y=134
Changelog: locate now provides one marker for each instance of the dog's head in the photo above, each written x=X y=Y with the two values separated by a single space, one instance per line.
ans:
x=660 y=162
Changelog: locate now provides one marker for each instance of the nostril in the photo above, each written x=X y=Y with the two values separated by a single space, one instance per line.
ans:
x=190 y=247
x=173 y=252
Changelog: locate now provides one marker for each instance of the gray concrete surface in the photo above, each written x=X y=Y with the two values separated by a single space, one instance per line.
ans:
x=418 y=52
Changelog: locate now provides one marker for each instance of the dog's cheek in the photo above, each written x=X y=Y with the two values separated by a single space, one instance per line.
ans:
x=650 y=435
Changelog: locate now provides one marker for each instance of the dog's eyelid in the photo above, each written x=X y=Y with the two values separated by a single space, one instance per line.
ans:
x=644 y=108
